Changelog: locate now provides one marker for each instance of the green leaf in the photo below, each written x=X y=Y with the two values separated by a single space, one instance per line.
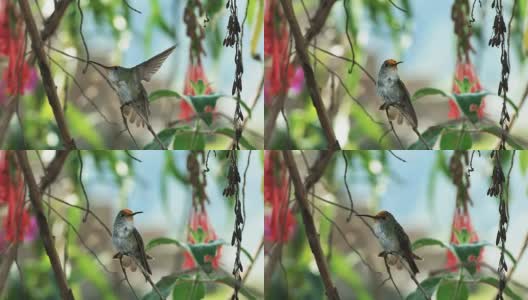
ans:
x=427 y=242
x=465 y=251
x=430 y=136
x=199 y=87
x=497 y=131
x=230 y=133
x=456 y=140
x=205 y=251
x=523 y=161
x=427 y=92
x=494 y=282
x=163 y=241
x=230 y=281
x=165 y=136
x=189 y=290
x=429 y=285
x=188 y=140
x=469 y=104
x=452 y=290
x=164 y=285
x=163 y=93
x=204 y=106
x=81 y=127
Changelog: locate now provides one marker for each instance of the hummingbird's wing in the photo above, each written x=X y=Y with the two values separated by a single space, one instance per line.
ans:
x=141 y=251
x=406 y=249
x=148 y=68
x=405 y=105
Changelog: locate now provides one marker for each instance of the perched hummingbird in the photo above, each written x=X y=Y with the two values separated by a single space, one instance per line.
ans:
x=127 y=239
x=132 y=94
x=393 y=238
x=395 y=94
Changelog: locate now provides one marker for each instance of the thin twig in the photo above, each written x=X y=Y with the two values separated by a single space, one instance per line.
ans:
x=82 y=36
x=129 y=6
x=79 y=156
x=126 y=277
x=398 y=7
x=83 y=209
x=250 y=267
x=390 y=276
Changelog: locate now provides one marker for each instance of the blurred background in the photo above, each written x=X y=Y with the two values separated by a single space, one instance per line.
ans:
x=423 y=37
x=117 y=35
x=421 y=195
x=159 y=186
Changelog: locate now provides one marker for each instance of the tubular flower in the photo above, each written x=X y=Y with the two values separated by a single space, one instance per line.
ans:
x=18 y=75
x=200 y=231
x=462 y=222
x=465 y=71
x=16 y=224
x=279 y=225
x=279 y=74
x=195 y=74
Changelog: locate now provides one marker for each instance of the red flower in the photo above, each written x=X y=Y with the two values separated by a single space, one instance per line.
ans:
x=462 y=221
x=195 y=74
x=16 y=224
x=465 y=71
x=279 y=226
x=200 y=231
x=278 y=71
x=12 y=44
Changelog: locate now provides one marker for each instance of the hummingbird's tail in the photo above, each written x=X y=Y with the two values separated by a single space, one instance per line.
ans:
x=412 y=264
x=137 y=112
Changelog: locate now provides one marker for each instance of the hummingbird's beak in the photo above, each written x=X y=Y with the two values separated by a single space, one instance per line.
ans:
x=137 y=212
x=398 y=63
x=368 y=216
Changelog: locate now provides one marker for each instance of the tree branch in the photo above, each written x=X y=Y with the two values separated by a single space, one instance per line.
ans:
x=49 y=84
x=52 y=22
x=36 y=200
x=311 y=232
x=311 y=83
x=53 y=169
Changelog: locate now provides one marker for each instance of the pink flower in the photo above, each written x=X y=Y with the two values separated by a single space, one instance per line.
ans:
x=280 y=224
x=200 y=231
x=462 y=221
x=465 y=71
x=195 y=74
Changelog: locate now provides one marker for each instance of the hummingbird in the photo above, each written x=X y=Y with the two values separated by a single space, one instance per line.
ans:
x=128 y=241
x=131 y=92
x=395 y=94
x=393 y=238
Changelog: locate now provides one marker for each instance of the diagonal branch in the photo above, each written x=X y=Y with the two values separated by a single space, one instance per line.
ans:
x=311 y=232
x=49 y=84
x=52 y=23
x=311 y=83
x=35 y=197
x=317 y=22
x=53 y=169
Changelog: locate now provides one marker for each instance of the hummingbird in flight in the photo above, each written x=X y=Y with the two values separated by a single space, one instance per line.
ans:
x=128 y=241
x=131 y=92
x=393 y=238
x=395 y=94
